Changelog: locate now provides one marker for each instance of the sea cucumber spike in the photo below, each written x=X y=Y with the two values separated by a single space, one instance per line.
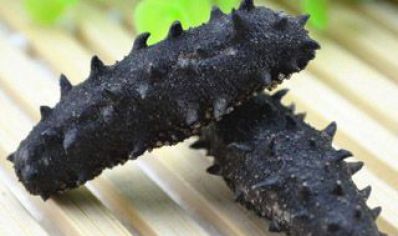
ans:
x=11 y=157
x=311 y=44
x=302 y=216
x=200 y=144
x=281 y=23
x=111 y=94
x=338 y=188
x=219 y=108
x=358 y=212
x=292 y=108
x=238 y=23
x=49 y=135
x=82 y=177
x=280 y=94
x=301 y=116
x=341 y=155
x=269 y=183
x=291 y=121
x=70 y=138
x=138 y=150
x=272 y=146
x=376 y=212
x=145 y=101
x=354 y=167
x=65 y=85
x=246 y=5
x=330 y=130
x=45 y=111
x=44 y=197
x=303 y=19
x=191 y=117
x=108 y=113
x=366 y=192
x=242 y=147
x=299 y=186
x=97 y=67
x=154 y=72
x=275 y=227
x=175 y=30
x=238 y=195
x=305 y=191
x=214 y=170
x=293 y=65
x=30 y=173
x=216 y=13
x=265 y=77
x=141 y=41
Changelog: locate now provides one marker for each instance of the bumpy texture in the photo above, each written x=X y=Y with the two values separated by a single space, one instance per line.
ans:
x=288 y=172
x=160 y=94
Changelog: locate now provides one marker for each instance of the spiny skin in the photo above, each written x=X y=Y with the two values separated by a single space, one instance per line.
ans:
x=288 y=172
x=159 y=94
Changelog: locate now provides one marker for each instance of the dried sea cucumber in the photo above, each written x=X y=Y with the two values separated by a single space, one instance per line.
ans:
x=160 y=94
x=288 y=172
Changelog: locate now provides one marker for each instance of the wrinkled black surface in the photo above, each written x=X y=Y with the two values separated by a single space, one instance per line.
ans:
x=159 y=94
x=287 y=171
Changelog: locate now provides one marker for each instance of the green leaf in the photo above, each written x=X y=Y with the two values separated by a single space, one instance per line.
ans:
x=318 y=9
x=47 y=11
x=156 y=16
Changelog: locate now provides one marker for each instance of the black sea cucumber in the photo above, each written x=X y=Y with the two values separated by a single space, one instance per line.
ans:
x=160 y=94
x=287 y=171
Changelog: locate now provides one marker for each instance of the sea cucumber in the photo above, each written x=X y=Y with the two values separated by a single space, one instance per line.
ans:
x=160 y=94
x=287 y=171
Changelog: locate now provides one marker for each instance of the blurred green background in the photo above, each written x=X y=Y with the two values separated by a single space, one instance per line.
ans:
x=155 y=16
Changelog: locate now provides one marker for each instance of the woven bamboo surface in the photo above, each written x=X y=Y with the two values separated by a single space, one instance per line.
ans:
x=354 y=81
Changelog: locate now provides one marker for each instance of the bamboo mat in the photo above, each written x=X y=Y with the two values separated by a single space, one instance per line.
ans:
x=354 y=81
